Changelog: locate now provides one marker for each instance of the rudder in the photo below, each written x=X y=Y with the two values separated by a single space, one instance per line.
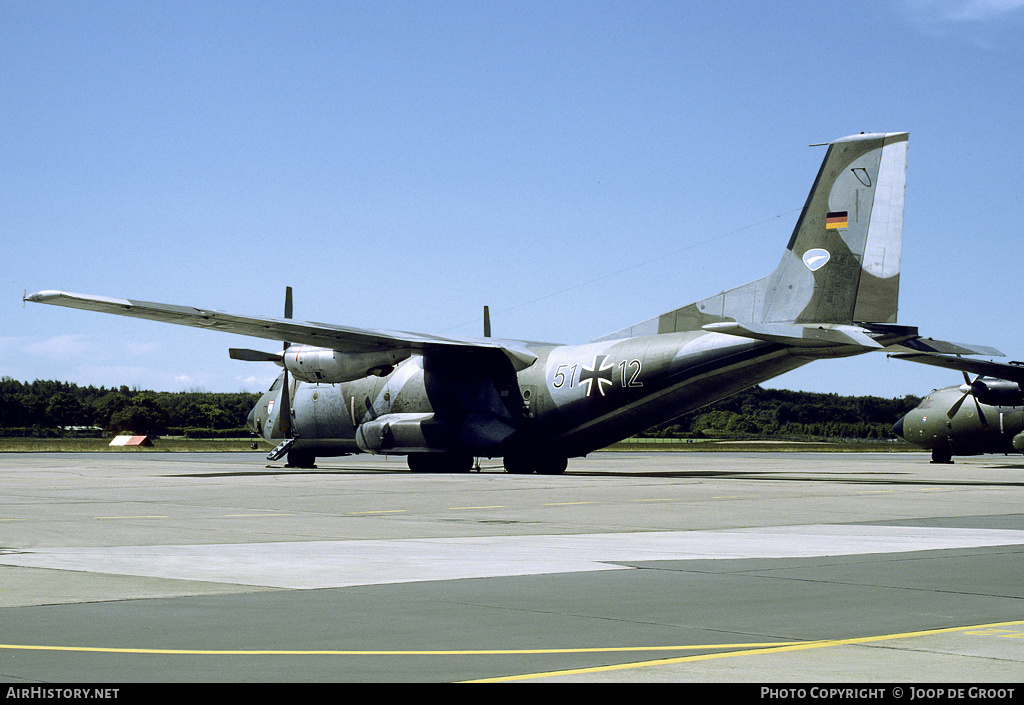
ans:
x=842 y=263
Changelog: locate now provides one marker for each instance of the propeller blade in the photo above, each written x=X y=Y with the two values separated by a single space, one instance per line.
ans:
x=487 y=322
x=956 y=407
x=285 y=415
x=981 y=416
x=287 y=308
x=253 y=355
x=968 y=389
x=286 y=390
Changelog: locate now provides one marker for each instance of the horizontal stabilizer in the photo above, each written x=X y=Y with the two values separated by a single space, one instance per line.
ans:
x=929 y=345
x=809 y=336
x=1013 y=371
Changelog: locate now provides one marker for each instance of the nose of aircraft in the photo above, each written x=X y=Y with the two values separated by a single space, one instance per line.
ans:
x=253 y=420
x=898 y=427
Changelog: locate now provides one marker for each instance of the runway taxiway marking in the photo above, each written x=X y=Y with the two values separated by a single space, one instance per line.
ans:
x=1000 y=632
x=731 y=650
x=260 y=515
x=138 y=516
x=387 y=652
x=747 y=651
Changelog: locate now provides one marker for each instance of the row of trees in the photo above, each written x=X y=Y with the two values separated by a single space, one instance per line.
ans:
x=780 y=413
x=50 y=408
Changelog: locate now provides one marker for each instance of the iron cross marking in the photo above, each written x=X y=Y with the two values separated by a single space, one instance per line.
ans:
x=600 y=372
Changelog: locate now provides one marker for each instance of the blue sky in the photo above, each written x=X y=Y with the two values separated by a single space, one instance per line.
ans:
x=576 y=166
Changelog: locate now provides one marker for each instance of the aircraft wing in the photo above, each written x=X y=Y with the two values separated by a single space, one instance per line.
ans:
x=1009 y=371
x=341 y=338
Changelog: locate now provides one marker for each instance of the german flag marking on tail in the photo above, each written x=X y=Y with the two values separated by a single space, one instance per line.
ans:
x=836 y=220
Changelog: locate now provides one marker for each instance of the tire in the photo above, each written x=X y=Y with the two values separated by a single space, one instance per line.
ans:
x=552 y=465
x=517 y=465
x=540 y=463
x=301 y=459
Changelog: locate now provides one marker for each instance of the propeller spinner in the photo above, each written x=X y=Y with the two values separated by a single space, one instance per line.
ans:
x=968 y=391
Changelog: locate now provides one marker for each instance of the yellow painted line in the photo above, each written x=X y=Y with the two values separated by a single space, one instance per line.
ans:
x=258 y=515
x=140 y=516
x=771 y=649
x=1002 y=633
x=365 y=652
x=734 y=650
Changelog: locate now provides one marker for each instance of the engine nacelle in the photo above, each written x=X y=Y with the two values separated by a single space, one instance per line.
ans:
x=997 y=392
x=404 y=433
x=327 y=366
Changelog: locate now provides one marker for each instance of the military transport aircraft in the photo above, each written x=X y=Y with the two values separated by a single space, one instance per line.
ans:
x=445 y=401
x=944 y=424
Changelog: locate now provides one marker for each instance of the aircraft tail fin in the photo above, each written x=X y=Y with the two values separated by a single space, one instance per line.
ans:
x=842 y=263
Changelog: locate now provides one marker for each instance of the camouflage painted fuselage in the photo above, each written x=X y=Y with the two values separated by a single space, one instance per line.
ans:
x=973 y=428
x=573 y=400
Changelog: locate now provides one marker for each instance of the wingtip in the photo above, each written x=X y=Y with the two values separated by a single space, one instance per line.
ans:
x=41 y=297
x=66 y=298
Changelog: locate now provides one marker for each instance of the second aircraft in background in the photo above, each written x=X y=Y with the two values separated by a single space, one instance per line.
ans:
x=985 y=415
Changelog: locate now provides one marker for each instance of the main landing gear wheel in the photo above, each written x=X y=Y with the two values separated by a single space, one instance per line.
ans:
x=541 y=464
x=942 y=456
x=440 y=462
x=301 y=459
